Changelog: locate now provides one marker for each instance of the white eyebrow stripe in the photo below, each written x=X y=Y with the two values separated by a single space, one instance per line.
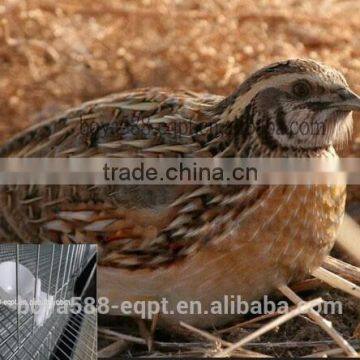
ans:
x=243 y=100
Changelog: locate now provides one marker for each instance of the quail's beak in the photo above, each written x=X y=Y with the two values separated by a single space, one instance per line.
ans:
x=348 y=101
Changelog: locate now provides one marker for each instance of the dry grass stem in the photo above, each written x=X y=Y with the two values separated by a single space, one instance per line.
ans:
x=112 y=349
x=113 y=335
x=337 y=281
x=302 y=308
x=326 y=353
x=323 y=323
x=343 y=269
x=349 y=238
x=116 y=335
x=219 y=341
x=249 y=322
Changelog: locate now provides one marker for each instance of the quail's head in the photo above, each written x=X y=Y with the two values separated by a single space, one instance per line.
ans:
x=295 y=104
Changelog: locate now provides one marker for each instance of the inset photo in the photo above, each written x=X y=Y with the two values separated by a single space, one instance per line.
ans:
x=48 y=302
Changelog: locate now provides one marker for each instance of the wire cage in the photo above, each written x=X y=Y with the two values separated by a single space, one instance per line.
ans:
x=47 y=329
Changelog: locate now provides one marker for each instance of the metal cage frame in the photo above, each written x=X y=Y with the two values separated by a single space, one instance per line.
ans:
x=62 y=335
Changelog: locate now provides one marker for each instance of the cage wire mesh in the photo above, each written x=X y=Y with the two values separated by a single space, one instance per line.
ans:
x=61 y=335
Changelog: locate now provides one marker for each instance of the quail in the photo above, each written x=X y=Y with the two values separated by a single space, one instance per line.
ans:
x=192 y=242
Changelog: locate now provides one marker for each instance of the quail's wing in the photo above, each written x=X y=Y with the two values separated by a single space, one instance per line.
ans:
x=143 y=123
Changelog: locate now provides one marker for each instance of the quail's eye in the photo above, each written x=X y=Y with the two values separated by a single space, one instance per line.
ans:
x=301 y=89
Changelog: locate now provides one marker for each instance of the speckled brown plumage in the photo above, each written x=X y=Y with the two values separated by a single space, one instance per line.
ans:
x=192 y=242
